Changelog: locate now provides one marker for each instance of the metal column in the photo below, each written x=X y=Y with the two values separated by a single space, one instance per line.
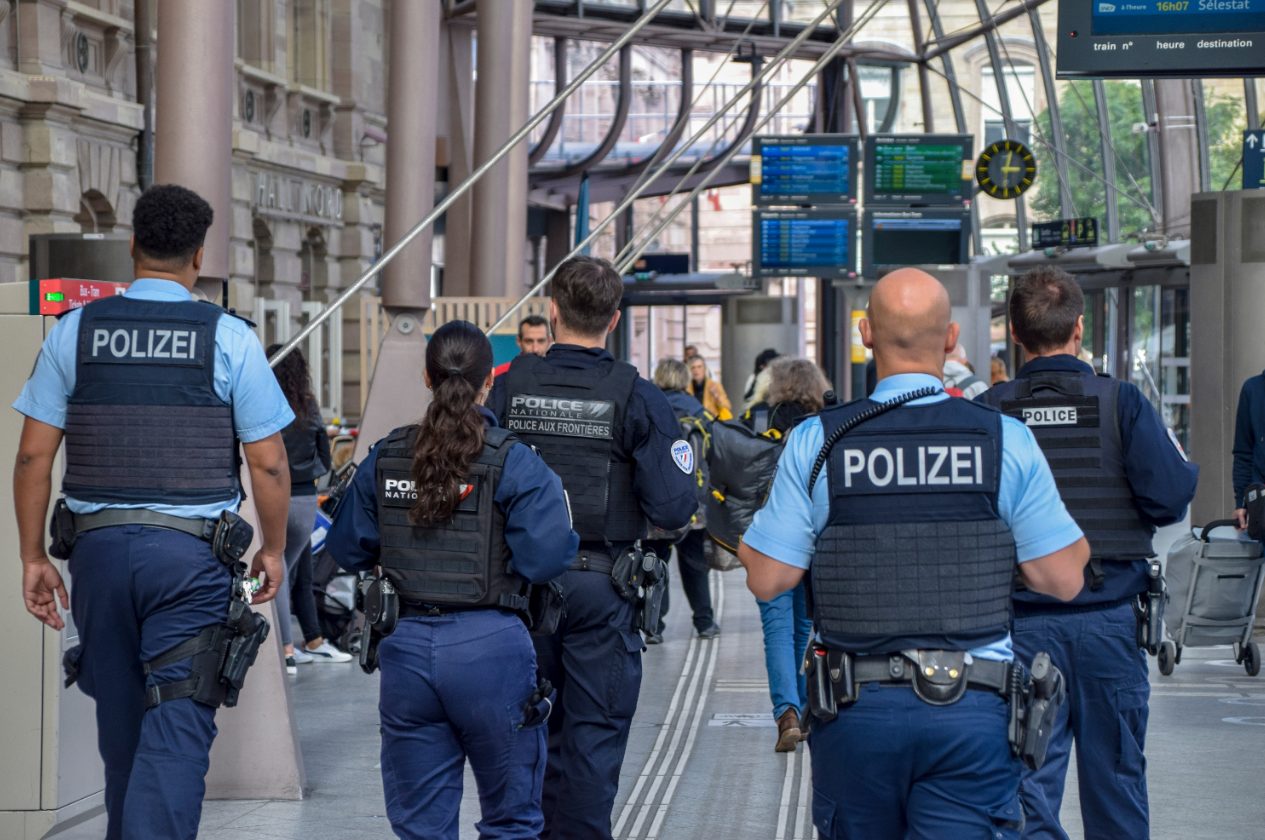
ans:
x=397 y=394
x=1178 y=162
x=193 y=140
x=498 y=239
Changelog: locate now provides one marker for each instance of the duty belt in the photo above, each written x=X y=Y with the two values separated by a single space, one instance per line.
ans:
x=587 y=561
x=203 y=529
x=987 y=674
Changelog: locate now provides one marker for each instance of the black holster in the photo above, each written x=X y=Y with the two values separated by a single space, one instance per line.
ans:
x=546 y=608
x=830 y=681
x=380 y=603
x=231 y=538
x=61 y=531
x=1035 y=699
x=1148 y=608
x=219 y=658
x=641 y=578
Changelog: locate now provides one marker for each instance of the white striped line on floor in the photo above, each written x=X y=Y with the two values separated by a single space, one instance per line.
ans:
x=794 y=818
x=700 y=659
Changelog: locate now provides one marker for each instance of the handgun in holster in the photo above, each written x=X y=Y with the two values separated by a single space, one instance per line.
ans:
x=1148 y=608
x=61 y=531
x=381 y=606
x=654 y=583
x=1035 y=700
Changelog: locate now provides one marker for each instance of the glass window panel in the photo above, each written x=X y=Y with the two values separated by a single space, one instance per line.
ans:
x=1227 y=120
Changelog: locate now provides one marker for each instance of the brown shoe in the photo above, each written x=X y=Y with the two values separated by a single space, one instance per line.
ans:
x=788 y=735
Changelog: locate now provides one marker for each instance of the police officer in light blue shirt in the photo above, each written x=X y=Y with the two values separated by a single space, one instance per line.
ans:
x=910 y=519
x=152 y=391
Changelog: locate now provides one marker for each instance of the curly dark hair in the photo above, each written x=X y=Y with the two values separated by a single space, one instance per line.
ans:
x=170 y=223
x=295 y=381
x=458 y=362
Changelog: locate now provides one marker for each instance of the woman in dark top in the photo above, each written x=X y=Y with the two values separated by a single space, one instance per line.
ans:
x=797 y=388
x=307 y=447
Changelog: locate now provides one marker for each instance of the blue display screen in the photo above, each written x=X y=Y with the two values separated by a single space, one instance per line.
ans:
x=809 y=243
x=795 y=172
x=1177 y=17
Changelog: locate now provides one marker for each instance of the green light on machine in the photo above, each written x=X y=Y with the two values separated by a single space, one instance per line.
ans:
x=54 y=297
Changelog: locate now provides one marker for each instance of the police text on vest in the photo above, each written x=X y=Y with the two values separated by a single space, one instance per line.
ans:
x=914 y=466
x=1052 y=415
x=145 y=343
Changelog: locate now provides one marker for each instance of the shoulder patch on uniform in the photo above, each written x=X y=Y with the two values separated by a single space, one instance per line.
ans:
x=683 y=456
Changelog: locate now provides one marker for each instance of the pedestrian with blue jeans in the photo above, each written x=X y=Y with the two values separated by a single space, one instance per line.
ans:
x=796 y=389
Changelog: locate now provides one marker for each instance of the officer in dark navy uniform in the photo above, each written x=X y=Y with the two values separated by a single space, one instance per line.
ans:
x=613 y=439
x=1120 y=474
x=909 y=512
x=461 y=517
x=151 y=391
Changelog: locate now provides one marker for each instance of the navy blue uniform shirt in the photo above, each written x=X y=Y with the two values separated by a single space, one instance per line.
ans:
x=666 y=493
x=1162 y=480
x=537 y=521
x=1249 y=437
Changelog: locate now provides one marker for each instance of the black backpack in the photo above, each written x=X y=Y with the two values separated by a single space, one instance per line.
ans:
x=741 y=466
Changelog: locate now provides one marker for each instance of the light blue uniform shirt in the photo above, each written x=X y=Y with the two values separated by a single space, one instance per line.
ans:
x=786 y=528
x=242 y=379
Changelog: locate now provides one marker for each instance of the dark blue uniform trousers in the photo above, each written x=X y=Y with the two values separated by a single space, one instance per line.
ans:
x=137 y=592
x=1105 y=713
x=891 y=766
x=455 y=687
x=594 y=660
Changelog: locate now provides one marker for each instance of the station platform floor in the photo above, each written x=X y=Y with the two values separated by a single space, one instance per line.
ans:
x=701 y=764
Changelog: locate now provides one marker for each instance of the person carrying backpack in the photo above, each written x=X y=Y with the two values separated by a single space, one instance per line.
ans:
x=673 y=378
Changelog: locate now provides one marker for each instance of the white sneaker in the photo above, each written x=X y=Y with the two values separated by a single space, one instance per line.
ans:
x=327 y=653
x=291 y=667
x=301 y=656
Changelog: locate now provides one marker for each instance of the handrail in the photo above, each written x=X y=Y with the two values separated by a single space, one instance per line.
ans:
x=650 y=177
x=465 y=185
x=625 y=259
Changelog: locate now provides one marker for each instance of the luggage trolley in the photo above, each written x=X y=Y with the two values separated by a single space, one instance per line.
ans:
x=1216 y=583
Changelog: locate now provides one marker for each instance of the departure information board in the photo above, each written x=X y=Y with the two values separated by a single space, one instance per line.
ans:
x=804 y=243
x=1161 y=38
x=918 y=170
x=895 y=238
x=804 y=169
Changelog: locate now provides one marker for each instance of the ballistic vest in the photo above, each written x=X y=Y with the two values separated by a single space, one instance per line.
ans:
x=1074 y=419
x=914 y=554
x=144 y=423
x=463 y=563
x=575 y=419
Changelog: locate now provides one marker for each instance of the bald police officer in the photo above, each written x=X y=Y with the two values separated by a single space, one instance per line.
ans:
x=909 y=512
x=152 y=391
x=1120 y=474
x=613 y=440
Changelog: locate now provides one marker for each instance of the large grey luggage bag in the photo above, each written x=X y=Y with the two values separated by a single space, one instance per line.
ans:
x=1214 y=583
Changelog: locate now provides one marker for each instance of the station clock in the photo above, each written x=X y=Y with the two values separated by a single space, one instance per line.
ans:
x=1005 y=169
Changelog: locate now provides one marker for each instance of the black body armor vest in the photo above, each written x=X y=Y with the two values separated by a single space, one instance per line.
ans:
x=1074 y=419
x=575 y=419
x=463 y=563
x=144 y=423
x=914 y=554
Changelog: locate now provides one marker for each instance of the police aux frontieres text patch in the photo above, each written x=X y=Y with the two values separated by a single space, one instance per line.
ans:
x=683 y=456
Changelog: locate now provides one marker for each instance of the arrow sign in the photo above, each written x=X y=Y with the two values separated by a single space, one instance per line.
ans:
x=1254 y=159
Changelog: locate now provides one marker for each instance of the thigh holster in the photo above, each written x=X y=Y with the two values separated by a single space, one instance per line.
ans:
x=220 y=656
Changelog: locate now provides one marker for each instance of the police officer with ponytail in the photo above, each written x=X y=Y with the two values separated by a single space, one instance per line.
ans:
x=909 y=512
x=1120 y=475
x=460 y=517
x=613 y=439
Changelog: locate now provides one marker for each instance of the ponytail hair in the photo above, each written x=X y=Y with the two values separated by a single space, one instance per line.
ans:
x=458 y=361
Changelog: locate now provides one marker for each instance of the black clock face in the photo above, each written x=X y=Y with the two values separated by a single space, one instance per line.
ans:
x=1006 y=169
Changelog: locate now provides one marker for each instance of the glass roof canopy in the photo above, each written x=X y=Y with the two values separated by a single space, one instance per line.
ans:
x=1106 y=149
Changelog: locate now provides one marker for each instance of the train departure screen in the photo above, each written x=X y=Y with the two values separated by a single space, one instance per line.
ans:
x=812 y=243
x=914 y=237
x=921 y=170
x=804 y=169
x=1166 y=17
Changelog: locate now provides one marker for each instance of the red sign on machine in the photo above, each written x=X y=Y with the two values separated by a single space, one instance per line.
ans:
x=60 y=295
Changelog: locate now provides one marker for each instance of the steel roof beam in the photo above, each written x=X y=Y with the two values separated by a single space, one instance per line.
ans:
x=541 y=148
x=677 y=131
x=618 y=121
x=943 y=44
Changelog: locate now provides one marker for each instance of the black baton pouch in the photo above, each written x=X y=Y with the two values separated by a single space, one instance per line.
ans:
x=231 y=538
x=61 y=531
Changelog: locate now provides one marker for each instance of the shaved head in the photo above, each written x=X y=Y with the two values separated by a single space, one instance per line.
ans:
x=907 y=324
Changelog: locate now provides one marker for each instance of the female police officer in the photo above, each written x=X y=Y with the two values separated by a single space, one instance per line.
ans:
x=459 y=517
